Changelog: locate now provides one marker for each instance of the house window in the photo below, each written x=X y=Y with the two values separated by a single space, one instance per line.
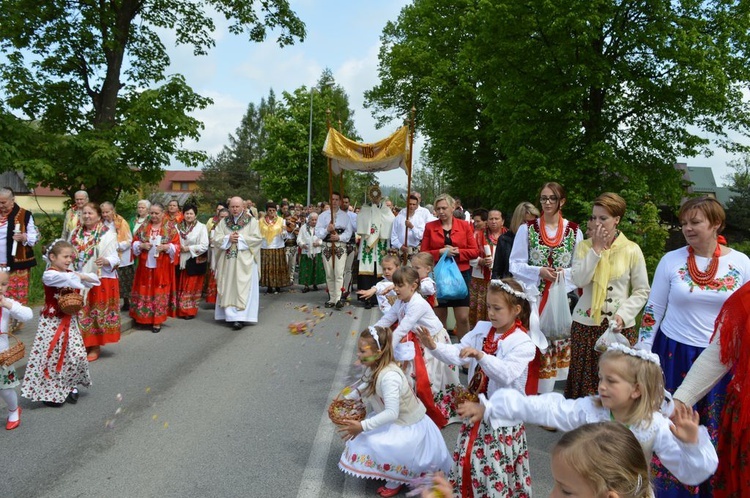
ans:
x=184 y=186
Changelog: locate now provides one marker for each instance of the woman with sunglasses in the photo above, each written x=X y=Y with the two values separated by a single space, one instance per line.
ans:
x=542 y=249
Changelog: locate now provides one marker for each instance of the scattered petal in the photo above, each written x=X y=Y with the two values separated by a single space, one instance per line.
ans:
x=155 y=417
x=119 y=397
x=148 y=389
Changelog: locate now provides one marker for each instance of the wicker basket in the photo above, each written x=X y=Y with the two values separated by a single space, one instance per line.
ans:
x=462 y=395
x=341 y=410
x=13 y=353
x=70 y=303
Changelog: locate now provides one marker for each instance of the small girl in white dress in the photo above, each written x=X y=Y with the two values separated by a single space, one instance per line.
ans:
x=10 y=310
x=397 y=442
x=631 y=390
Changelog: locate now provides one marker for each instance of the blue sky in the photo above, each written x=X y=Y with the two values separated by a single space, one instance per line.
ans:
x=343 y=35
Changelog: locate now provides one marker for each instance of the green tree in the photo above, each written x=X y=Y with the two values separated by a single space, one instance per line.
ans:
x=230 y=172
x=283 y=168
x=91 y=78
x=427 y=180
x=598 y=96
x=738 y=207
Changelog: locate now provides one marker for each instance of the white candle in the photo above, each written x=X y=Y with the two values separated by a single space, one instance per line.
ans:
x=15 y=242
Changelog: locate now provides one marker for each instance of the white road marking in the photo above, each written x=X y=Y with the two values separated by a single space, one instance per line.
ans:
x=312 y=478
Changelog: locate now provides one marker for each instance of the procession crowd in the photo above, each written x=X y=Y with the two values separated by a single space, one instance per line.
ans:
x=532 y=304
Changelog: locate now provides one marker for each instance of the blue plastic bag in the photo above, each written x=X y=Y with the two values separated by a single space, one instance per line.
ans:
x=448 y=279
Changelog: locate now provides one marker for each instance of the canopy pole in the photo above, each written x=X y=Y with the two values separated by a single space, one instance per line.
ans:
x=408 y=182
x=330 y=195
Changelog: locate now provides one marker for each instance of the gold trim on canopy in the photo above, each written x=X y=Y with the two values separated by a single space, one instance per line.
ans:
x=384 y=155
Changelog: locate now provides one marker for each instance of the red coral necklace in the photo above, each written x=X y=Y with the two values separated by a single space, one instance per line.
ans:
x=555 y=241
x=703 y=277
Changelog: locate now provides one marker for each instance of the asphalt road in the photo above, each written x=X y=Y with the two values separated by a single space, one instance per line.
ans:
x=200 y=410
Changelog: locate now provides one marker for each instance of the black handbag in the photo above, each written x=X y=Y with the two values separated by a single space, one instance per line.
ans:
x=197 y=265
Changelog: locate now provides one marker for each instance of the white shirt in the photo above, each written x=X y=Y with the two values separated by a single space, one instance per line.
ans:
x=690 y=463
x=682 y=310
x=32 y=235
x=343 y=221
x=410 y=315
x=419 y=220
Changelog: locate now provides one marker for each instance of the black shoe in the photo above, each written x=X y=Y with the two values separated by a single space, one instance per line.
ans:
x=189 y=317
x=269 y=290
x=339 y=305
x=368 y=305
x=306 y=289
x=278 y=289
x=52 y=404
x=329 y=305
x=156 y=329
x=125 y=307
x=72 y=398
x=237 y=325
x=315 y=287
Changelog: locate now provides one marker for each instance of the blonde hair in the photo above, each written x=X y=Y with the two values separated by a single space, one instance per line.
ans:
x=385 y=351
x=424 y=258
x=644 y=374
x=391 y=258
x=519 y=215
x=448 y=199
x=608 y=457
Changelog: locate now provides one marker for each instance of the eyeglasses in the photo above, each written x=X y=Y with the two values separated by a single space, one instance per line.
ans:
x=544 y=199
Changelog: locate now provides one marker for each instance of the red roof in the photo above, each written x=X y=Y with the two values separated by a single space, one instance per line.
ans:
x=47 y=192
x=178 y=176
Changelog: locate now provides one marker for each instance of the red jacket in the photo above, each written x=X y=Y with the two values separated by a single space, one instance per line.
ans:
x=462 y=236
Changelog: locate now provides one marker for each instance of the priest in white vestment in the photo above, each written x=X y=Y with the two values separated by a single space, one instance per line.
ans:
x=237 y=239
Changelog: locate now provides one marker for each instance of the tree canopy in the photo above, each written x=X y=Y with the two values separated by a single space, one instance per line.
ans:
x=597 y=96
x=88 y=82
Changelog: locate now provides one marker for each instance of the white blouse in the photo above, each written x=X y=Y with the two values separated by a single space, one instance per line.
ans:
x=690 y=463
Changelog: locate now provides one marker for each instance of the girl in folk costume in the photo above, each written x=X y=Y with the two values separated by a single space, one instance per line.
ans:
x=96 y=248
x=125 y=270
x=631 y=392
x=491 y=457
x=10 y=310
x=311 y=270
x=384 y=290
x=193 y=262
x=488 y=227
x=541 y=250
x=602 y=459
x=274 y=272
x=57 y=361
x=434 y=380
x=156 y=245
x=397 y=442
x=423 y=263
x=728 y=353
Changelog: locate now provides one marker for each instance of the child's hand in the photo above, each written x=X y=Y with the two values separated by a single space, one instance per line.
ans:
x=5 y=303
x=473 y=411
x=349 y=429
x=471 y=353
x=366 y=293
x=426 y=338
x=387 y=290
x=441 y=488
x=685 y=421
x=84 y=277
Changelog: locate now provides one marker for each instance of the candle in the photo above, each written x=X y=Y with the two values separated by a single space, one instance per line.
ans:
x=15 y=242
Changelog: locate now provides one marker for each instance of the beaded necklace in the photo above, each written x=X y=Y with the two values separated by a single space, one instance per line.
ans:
x=703 y=277
x=489 y=344
x=555 y=241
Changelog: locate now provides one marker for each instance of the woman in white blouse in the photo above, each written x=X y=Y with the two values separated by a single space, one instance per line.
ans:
x=193 y=262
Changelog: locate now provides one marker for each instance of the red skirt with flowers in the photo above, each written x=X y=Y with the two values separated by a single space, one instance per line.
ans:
x=189 y=289
x=499 y=462
x=99 y=320
x=732 y=478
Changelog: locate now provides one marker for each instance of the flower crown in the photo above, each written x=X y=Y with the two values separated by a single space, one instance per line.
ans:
x=374 y=334
x=510 y=290
x=638 y=353
x=4 y=269
x=53 y=244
